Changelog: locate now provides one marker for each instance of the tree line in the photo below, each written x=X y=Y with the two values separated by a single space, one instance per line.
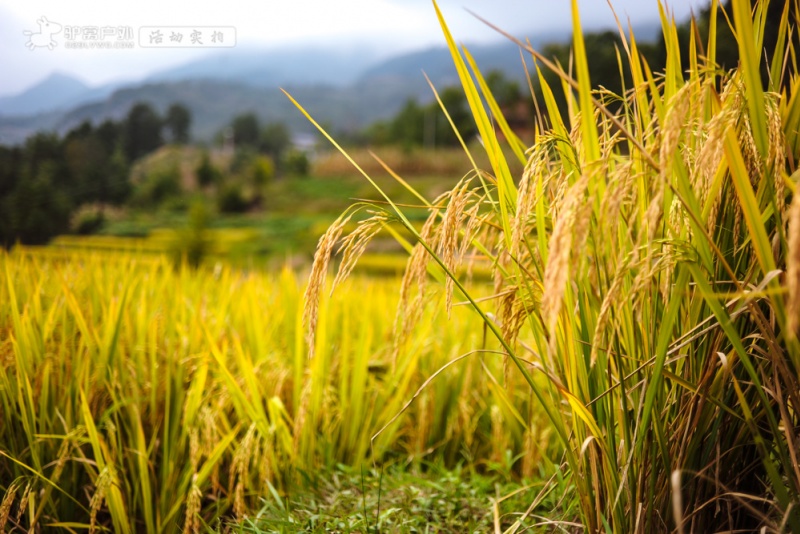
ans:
x=45 y=179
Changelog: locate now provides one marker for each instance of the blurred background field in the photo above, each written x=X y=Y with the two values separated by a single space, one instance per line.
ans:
x=197 y=380
x=284 y=224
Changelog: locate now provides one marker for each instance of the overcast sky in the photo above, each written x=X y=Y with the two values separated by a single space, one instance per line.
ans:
x=381 y=27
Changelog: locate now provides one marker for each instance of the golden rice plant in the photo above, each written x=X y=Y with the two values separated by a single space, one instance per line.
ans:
x=135 y=397
x=646 y=288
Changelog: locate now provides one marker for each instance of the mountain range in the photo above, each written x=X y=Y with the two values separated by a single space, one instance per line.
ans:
x=343 y=89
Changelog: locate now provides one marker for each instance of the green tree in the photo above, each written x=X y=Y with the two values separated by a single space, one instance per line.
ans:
x=10 y=163
x=262 y=171
x=407 y=126
x=86 y=160
x=455 y=103
x=296 y=163
x=98 y=170
x=110 y=134
x=231 y=199
x=178 y=122
x=142 y=129
x=158 y=186
x=117 y=182
x=506 y=92
x=274 y=141
x=45 y=149
x=37 y=210
x=193 y=243
x=206 y=173
x=246 y=130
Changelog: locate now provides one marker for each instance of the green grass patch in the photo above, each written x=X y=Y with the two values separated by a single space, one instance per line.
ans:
x=398 y=499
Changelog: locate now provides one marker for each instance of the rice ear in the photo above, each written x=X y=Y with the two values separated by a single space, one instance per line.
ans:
x=354 y=245
x=240 y=469
x=447 y=246
x=103 y=482
x=316 y=280
x=193 y=505
x=557 y=270
x=777 y=154
x=605 y=308
x=415 y=275
x=8 y=501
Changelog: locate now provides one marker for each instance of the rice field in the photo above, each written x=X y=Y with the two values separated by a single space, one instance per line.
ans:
x=137 y=397
x=636 y=353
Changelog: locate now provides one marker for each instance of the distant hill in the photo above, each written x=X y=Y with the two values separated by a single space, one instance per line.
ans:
x=58 y=91
x=343 y=89
x=215 y=91
x=213 y=103
x=274 y=67
x=437 y=63
x=53 y=92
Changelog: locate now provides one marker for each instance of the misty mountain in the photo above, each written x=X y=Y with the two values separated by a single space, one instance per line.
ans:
x=343 y=89
x=437 y=62
x=213 y=103
x=216 y=88
x=57 y=91
x=274 y=67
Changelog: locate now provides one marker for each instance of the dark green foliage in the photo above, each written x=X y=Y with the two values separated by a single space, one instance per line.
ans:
x=142 y=131
x=88 y=221
x=246 y=130
x=407 y=126
x=36 y=209
x=456 y=105
x=262 y=171
x=43 y=181
x=11 y=160
x=115 y=183
x=206 y=173
x=110 y=134
x=418 y=125
x=103 y=172
x=506 y=92
x=249 y=136
x=274 y=140
x=178 y=122
x=296 y=163
x=192 y=243
x=158 y=187
x=231 y=199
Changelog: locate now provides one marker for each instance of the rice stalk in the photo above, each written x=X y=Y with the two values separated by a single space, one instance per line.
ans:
x=793 y=268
